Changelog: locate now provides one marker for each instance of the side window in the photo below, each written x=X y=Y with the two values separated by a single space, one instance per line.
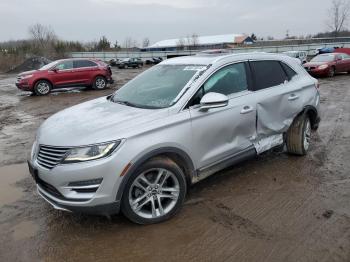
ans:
x=268 y=74
x=289 y=71
x=228 y=80
x=83 y=63
x=65 y=65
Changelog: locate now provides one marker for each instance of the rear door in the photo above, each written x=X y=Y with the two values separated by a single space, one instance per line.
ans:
x=219 y=133
x=278 y=98
x=84 y=71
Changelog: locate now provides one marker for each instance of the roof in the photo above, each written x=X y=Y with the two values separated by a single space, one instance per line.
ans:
x=203 y=40
x=203 y=59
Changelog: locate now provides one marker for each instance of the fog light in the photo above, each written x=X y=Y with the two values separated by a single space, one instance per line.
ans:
x=92 y=182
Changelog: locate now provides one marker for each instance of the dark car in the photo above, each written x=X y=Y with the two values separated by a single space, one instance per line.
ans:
x=130 y=62
x=328 y=64
x=114 y=62
x=66 y=73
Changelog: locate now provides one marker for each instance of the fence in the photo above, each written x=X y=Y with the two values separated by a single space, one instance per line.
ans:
x=106 y=56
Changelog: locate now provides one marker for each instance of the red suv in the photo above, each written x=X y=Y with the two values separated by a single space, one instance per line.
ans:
x=66 y=73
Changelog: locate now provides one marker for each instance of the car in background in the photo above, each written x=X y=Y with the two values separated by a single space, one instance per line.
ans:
x=66 y=73
x=343 y=50
x=130 y=62
x=301 y=55
x=328 y=64
x=153 y=61
x=140 y=149
x=114 y=62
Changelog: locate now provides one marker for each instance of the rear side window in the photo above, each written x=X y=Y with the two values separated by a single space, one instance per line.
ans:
x=83 y=63
x=268 y=74
x=289 y=71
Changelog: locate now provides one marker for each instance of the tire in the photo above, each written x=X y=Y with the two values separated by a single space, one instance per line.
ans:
x=42 y=88
x=100 y=83
x=298 y=135
x=331 y=72
x=146 y=192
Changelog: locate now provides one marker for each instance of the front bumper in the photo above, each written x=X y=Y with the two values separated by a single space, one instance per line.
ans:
x=110 y=80
x=25 y=86
x=53 y=186
x=318 y=72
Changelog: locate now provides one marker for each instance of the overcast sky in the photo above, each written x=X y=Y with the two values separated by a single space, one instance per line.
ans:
x=87 y=20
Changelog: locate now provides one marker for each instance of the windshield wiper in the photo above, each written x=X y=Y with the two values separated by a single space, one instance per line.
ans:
x=127 y=103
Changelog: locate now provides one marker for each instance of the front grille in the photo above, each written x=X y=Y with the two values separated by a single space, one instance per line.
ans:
x=50 y=156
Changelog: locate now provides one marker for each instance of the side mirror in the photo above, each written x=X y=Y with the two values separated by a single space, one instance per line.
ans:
x=213 y=100
x=55 y=70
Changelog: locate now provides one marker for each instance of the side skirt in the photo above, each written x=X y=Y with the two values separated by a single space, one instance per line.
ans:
x=233 y=159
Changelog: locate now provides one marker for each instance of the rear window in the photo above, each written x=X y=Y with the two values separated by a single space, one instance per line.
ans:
x=268 y=74
x=289 y=71
x=84 y=63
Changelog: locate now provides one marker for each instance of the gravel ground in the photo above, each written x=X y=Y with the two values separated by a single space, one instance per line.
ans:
x=276 y=207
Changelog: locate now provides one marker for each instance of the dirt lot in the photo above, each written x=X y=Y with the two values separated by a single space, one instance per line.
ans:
x=274 y=208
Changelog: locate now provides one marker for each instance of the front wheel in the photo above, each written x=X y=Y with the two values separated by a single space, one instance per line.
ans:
x=99 y=83
x=331 y=72
x=42 y=87
x=155 y=192
x=299 y=135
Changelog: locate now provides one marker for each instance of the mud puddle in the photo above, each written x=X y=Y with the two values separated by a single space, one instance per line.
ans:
x=10 y=191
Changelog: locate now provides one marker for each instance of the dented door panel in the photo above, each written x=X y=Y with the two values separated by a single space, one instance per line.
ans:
x=218 y=133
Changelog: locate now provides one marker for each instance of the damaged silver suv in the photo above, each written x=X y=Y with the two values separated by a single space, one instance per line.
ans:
x=140 y=148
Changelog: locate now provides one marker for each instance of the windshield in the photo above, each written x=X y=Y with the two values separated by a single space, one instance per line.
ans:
x=323 y=58
x=156 y=87
x=48 y=66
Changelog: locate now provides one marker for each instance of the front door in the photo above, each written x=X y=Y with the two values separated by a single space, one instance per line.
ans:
x=219 y=133
x=63 y=74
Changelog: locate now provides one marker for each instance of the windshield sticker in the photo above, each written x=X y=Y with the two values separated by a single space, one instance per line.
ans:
x=194 y=68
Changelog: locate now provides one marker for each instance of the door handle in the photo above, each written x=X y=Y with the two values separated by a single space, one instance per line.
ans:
x=293 y=97
x=247 y=109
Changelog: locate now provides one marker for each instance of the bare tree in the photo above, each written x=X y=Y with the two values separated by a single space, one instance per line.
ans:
x=338 y=16
x=43 y=40
x=145 y=42
x=180 y=44
x=194 y=40
x=129 y=43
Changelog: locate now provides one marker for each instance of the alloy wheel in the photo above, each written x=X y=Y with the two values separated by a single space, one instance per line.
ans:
x=100 y=83
x=43 y=88
x=307 y=134
x=154 y=193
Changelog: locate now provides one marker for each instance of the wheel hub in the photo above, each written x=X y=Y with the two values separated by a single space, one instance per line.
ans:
x=154 y=193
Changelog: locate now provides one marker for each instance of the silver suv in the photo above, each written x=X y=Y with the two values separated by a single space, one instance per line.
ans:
x=139 y=149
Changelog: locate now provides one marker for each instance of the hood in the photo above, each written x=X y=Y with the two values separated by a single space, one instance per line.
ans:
x=315 y=64
x=95 y=121
x=28 y=72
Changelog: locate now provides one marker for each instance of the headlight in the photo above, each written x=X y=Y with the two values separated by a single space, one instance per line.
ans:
x=26 y=76
x=93 y=152
x=34 y=150
x=322 y=67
